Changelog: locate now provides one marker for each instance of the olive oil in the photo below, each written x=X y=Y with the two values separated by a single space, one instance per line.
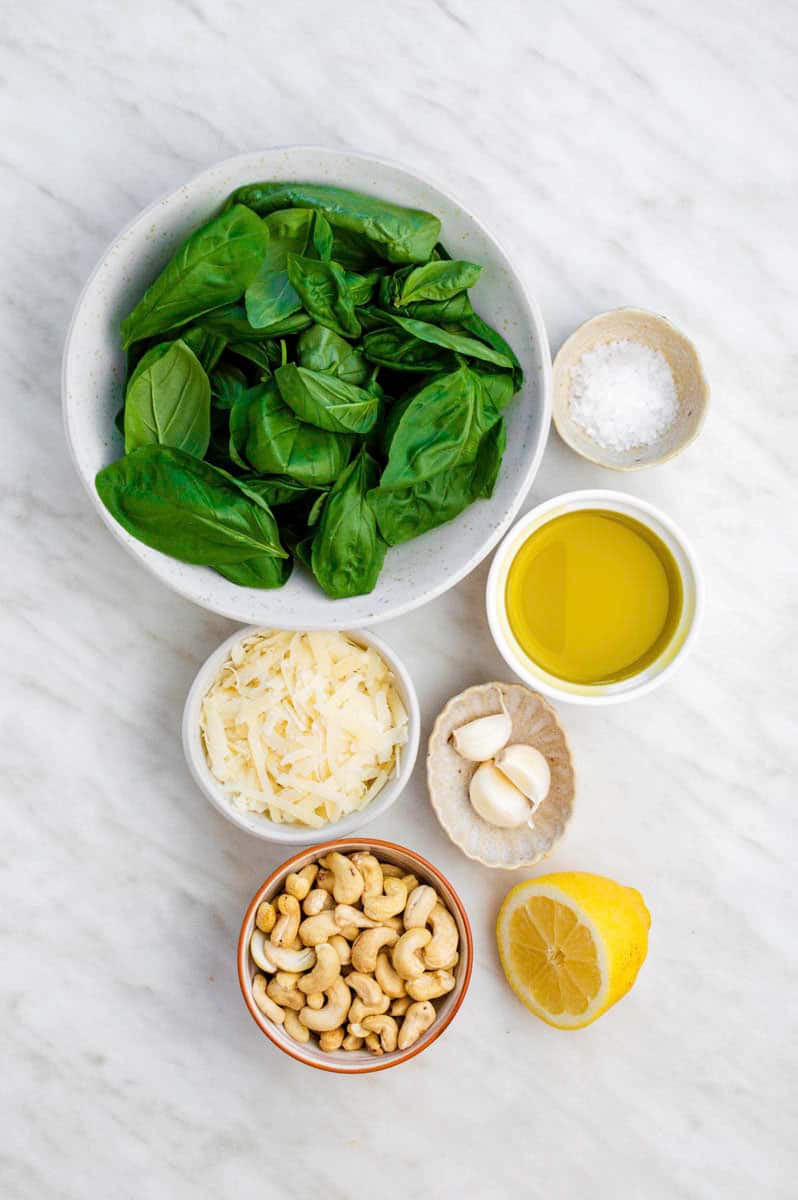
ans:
x=594 y=596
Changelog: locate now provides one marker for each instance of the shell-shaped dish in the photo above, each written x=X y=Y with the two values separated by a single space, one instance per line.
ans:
x=535 y=723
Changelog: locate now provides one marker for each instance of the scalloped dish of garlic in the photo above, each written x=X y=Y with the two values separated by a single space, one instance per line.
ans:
x=511 y=781
x=303 y=727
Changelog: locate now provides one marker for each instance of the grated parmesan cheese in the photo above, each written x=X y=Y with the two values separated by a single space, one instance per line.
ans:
x=304 y=727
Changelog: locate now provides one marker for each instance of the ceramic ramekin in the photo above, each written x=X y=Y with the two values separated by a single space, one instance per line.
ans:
x=258 y=823
x=673 y=654
x=359 y=1062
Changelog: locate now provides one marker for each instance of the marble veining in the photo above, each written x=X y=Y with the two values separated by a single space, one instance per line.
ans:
x=624 y=153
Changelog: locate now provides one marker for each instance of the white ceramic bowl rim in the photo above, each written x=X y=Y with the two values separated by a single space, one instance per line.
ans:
x=415 y=585
x=672 y=656
x=258 y=823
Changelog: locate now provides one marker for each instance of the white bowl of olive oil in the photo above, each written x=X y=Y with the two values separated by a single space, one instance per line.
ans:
x=594 y=597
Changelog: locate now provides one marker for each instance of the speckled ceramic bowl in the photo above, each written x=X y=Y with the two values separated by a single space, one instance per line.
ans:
x=535 y=724
x=359 y=1062
x=93 y=375
x=654 y=331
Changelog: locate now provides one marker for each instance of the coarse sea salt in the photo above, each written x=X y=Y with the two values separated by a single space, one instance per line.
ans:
x=623 y=395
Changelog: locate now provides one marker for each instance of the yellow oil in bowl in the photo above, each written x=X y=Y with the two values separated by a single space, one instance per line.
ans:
x=594 y=596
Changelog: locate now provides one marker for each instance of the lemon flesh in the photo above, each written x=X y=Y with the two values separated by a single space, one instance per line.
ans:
x=571 y=945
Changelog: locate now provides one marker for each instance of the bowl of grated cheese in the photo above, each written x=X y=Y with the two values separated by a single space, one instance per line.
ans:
x=290 y=733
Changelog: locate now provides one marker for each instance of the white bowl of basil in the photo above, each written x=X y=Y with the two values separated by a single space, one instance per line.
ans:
x=307 y=389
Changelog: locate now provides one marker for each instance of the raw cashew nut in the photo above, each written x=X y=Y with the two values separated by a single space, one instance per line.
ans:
x=380 y=908
x=260 y=956
x=288 y=979
x=370 y=869
x=265 y=917
x=265 y=1003
x=420 y=904
x=291 y=960
x=368 y=946
x=285 y=929
x=366 y=987
x=290 y=998
x=406 y=955
x=294 y=1027
x=325 y=972
x=418 y=1018
x=334 y=1012
x=431 y=985
x=315 y=1000
x=349 y=883
x=331 y=1039
x=410 y=882
x=373 y=1044
x=444 y=938
x=349 y=917
x=317 y=901
x=389 y=980
x=387 y=1029
x=325 y=880
x=400 y=1006
x=315 y=930
x=394 y=923
x=342 y=948
x=299 y=883
x=359 y=1010
x=392 y=870
x=351 y=1042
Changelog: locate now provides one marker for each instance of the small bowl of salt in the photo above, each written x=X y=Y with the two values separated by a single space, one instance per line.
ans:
x=629 y=390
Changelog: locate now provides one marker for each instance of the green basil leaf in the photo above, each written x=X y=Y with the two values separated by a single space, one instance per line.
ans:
x=168 y=402
x=455 y=342
x=262 y=572
x=277 y=490
x=401 y=235
x=324 y=293
x=440 y=429
x=231 y=322
x=348 y=552
x=327 y=402
x=271 y=438
x=434 y=281
x=403 y=352
x=214 y=266
x=406 y=512
x=319 y=349
x=362 y=287
x=480 y=329
x=227 y=384
x=265 y=355
x=270 y=299
x=186 y=508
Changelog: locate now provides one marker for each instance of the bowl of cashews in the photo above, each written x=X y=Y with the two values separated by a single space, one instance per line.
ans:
x=355 y=955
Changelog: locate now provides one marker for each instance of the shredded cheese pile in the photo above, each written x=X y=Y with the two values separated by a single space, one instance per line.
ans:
x=304 y=727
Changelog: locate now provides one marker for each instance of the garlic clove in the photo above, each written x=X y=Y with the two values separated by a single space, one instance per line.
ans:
x=527 y=768
x=484 y=737
x=496 y=799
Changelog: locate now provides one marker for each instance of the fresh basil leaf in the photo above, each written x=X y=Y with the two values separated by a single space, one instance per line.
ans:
x=231 y=322
x=324 y=293
x=168 y=401
x=440 y=429
x=362 y=287
x=214 y=266
x=270 y=299
x=319 y=349
x=272 y=439
x=403 y=352
x=315 y=509
x=227 y=384
x=455 y=342
x=480 y=329
x=327 y=402
x=348 y=552
x=277 y=490
x=400 y=235
x=262 y=572
x=265 y=355
x=184 y=507
x=434 y=281
x=499 y=385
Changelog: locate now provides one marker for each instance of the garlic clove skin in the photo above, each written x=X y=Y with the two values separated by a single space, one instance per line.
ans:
x=484 y=737
x=527 y=768
x=496 y=799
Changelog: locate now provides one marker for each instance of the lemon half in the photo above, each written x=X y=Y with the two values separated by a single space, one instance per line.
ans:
x=571 y=945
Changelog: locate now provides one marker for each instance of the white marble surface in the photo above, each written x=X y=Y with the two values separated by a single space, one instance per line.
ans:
x=626 y=153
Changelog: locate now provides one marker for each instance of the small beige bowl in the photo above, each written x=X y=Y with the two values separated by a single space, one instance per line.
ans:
x=448 y=776
x=649 y=329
